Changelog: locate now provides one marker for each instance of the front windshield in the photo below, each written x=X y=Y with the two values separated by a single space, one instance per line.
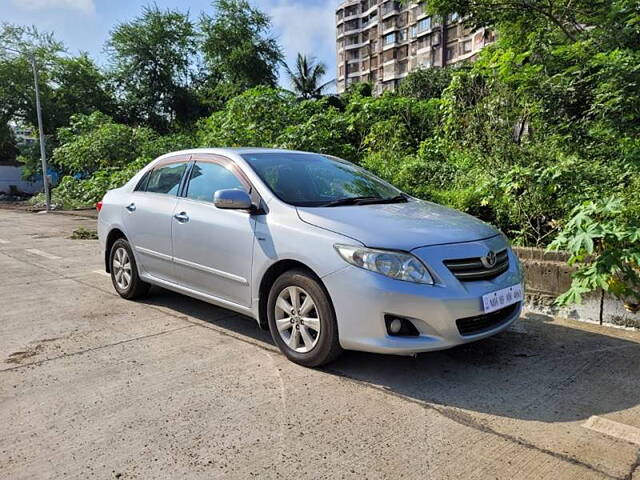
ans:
x=311 y=180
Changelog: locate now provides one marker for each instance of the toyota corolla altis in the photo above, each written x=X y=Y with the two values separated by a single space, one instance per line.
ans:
x=318 y=250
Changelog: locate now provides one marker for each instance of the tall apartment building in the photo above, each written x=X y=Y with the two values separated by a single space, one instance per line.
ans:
x=381 y=41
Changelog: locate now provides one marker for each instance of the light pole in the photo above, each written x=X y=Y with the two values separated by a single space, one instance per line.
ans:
x=43 y=153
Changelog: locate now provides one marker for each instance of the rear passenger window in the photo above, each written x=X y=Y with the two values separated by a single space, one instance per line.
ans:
x=207 y=178
x=166 y=179
x=142 y=184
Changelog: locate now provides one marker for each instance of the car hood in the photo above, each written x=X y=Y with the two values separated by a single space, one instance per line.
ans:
x=401 y=226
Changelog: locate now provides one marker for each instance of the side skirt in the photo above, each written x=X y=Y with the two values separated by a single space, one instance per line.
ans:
x=219 y=302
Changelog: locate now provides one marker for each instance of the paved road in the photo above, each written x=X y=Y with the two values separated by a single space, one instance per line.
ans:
x=93 y=386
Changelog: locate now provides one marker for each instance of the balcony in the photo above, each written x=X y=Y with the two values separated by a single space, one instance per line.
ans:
x=390 y=11
x=359 y=44
x=351 y=13
x=351 y=27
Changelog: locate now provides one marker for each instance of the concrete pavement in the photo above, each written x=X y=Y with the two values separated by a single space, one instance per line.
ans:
x=95 y=386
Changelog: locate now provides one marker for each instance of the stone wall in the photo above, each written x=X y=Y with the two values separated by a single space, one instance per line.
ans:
x=547 y=275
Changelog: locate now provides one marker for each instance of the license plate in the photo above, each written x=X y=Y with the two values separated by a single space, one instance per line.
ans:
x=502 y=298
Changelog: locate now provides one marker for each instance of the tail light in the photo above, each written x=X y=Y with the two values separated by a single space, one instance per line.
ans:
x=99 y=206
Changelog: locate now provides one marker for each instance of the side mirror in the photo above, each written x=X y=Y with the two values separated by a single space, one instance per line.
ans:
x=232 y=199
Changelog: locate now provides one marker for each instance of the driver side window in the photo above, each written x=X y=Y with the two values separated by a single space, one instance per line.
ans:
x=207 y=178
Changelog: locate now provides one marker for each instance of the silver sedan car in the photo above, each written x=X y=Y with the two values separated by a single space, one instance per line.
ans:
x=318 y=250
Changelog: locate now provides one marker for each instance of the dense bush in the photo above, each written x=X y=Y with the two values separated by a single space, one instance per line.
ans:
x=98 y=155
x=604 y=243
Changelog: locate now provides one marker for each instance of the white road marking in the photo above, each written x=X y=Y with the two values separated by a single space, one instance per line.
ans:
x=613 y=429
x=2 y=241
x=40 y=253
x=101 y=272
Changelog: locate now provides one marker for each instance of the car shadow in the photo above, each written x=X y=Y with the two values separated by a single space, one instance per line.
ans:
x=182 y=305
x=538 y=369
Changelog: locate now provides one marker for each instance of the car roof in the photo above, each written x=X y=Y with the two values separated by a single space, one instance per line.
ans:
x=233 y=150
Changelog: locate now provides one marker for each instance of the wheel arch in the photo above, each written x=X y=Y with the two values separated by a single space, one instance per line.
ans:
x=270 y=276
x=114 y=235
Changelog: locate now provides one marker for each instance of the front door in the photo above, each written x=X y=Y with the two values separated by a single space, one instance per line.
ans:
x=213 y=247
x=149 y=214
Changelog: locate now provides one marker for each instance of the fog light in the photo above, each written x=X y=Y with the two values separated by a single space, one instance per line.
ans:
x=400 y=327
x=395 y=325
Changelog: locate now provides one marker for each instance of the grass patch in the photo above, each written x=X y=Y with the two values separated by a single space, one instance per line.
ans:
x=84 y=234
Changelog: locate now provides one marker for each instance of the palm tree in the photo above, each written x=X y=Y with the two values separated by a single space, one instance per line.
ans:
x=306 y=77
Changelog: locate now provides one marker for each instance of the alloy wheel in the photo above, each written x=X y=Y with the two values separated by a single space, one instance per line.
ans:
x=297 y=319
x=121 y=268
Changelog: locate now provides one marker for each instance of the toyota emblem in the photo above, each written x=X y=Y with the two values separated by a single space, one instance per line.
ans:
x=489 y=261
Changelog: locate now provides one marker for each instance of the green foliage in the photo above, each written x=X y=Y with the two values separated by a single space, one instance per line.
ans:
x=426 y=83
x=306 y=77
x=98 y=154
x=255 y=118
x=80 y=88
x=604 y=243
x=323 y=132
x=237 y=47
x=8 y=147
x=152 y=65
x=95 y=142
x=68 y=85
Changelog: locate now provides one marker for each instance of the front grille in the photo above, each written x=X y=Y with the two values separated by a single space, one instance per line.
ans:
x=485 y=322
x=468 y=269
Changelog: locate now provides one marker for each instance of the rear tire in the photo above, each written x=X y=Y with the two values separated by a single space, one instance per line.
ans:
x=124 y=271
x=301 y=319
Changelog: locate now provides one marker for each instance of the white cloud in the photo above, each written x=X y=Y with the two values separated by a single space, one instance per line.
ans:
x=304 y=28
x=84 y=6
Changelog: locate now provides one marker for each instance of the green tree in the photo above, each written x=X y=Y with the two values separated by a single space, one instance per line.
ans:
x=8 y=147
x=237 y=47
x=80 y=87
x=426 y=83
x=569 y=17
x=255 y=118
x=306 y=77
x=152 y=60
x=93 y=142
x=17 y=97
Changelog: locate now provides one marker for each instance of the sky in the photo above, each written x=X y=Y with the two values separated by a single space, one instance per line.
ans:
x=306 y=26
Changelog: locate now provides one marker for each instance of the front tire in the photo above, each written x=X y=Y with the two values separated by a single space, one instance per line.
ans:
x=124 y=271
x=301 y=319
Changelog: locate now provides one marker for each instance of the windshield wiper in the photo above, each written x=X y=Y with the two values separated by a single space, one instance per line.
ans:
x=397 y=199
x=351 y=201
x=367 y=200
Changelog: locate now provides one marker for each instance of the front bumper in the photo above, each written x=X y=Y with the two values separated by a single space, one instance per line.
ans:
x=362 y=299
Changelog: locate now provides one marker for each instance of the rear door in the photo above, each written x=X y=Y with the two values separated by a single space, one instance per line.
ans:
x=148 y=216
x=213 y=247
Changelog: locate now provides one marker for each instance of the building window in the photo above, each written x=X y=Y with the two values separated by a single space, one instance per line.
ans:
x=353 y=40
x=389 y=39
x=453 y=17
x=424 y=24
x=467 y=46
x=451 y=52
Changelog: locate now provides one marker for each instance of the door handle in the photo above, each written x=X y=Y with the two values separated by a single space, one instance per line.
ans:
x=131 y=207
x=182 y=217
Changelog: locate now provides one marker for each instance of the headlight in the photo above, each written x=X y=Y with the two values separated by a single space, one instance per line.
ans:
x=398 y=265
